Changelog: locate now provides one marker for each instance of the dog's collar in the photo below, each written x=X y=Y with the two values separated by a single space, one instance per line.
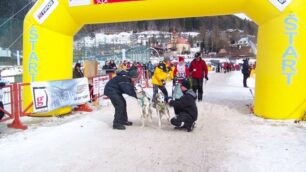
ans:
x=142 y=97
x=141 y=100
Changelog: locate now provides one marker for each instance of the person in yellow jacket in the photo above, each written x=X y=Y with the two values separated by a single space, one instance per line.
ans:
x=123 y=65
x=171 y=68
x=160 y=75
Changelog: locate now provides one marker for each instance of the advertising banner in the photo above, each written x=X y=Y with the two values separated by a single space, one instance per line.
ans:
x=99 y=84
x=48 y=96
x=280 y=4
x=46 y=8
x=111 y=1
x=78 y=2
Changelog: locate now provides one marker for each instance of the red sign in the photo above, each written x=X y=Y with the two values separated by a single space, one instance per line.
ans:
x=111 y=1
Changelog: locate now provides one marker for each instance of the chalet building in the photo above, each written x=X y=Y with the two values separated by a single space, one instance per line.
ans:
x=178 y=44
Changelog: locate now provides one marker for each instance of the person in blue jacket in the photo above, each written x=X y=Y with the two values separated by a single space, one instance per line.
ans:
x=245 y=71
x=123 y=83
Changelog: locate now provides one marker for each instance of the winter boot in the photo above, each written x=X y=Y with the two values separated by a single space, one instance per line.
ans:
x=178 y=128
x=128 y=123
x=118 y=127
x=189 y=129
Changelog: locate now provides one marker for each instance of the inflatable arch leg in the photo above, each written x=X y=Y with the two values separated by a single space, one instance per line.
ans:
x=280 y=75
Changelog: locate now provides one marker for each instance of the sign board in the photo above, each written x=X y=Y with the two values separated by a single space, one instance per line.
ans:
x=111 y=1
x=79 y=2
x=48 y=96
x=99 y=84
x=280 y=4
x=45 y=9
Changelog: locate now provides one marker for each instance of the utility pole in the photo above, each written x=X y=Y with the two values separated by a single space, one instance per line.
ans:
x=18 y=58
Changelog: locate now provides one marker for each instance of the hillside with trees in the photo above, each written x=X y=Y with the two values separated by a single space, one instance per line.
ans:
x=12 y=14
x=181 y=25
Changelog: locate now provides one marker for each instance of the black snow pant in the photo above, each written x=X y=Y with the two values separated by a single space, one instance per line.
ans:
x=1 y=112
x=245 y=77
x=120 y=109
x=182 y=120
x=197 y=85
x=162 y=89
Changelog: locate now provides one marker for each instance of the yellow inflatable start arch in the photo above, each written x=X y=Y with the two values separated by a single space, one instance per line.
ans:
x=50 y=25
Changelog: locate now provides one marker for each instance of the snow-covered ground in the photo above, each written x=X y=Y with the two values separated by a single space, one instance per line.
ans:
x=11 y=71
x=227 y=138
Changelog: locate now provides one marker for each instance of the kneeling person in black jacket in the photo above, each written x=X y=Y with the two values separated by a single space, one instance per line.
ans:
x=123 y=83
x=185 y=108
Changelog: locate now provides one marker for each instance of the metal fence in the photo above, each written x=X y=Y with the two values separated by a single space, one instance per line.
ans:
x=137 y=53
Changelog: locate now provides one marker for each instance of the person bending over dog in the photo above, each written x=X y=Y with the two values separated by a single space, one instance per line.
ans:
x=185 y=108
x=123 y=83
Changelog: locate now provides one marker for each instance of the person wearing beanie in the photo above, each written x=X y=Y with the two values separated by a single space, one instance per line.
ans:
x=161 y=73
x=185 y=108
x=132 y=74
x=199 y=71
x=185 y=83
x=123 y=83
x=181 y=70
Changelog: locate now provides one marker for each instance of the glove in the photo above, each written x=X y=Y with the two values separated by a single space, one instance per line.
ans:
x=163 y=82
x=206 y=77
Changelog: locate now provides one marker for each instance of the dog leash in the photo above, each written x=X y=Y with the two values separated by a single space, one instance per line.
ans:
x=141 y=101
x=162 y=106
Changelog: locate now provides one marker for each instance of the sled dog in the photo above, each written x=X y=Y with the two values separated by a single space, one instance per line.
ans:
x=145 y=103
x=161 y=108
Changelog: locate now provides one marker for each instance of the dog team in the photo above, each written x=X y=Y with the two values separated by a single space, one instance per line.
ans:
x=185 y=108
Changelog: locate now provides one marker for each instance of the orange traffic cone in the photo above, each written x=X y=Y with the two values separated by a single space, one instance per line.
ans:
x=83 y=107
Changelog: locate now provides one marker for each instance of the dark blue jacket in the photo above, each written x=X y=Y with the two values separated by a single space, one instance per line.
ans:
x=245 y=68
x=186 y=104
x=119 y=85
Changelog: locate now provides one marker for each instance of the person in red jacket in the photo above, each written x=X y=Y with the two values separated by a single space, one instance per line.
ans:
x=181 y=70
x=199 y=70
x=180 y=73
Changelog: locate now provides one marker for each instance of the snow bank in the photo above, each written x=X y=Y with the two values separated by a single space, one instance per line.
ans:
x=227 y=138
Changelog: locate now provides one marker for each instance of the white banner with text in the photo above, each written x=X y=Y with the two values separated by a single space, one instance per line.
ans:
x=48 y=96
